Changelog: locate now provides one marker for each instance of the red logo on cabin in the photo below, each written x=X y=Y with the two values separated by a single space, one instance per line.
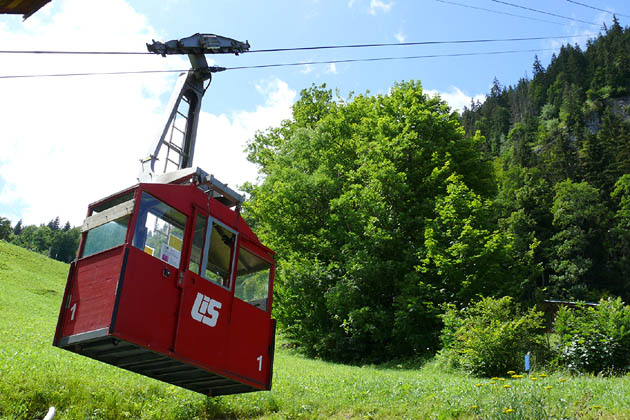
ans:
x=205 y=310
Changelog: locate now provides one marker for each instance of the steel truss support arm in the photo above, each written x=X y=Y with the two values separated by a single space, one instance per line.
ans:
x=177 y=139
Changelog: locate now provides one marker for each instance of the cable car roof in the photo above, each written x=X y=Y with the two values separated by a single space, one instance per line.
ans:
x=21 y=7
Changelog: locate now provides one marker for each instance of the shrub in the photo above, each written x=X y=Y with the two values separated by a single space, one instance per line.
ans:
x=594 y=339
x=491 y=336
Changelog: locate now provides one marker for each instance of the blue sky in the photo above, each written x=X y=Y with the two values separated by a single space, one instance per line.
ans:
x=67 y=142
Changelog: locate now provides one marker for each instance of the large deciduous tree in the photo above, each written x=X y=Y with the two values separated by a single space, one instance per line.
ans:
x=348 y=188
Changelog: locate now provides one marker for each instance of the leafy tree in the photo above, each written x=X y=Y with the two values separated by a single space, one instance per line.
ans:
x=5 y=228
x=17 y=229
x=464 y=251
x=581 y=220
x=55 y=224
x=344 y=203
x=42 y=238
x=620 y=236
x=64 y=244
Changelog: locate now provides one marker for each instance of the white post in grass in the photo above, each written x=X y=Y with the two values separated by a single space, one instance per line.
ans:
x=51 y=413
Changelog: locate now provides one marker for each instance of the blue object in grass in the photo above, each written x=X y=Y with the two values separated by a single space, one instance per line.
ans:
x=527 y=366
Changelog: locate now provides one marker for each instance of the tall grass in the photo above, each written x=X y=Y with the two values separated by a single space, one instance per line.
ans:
x=34 y=375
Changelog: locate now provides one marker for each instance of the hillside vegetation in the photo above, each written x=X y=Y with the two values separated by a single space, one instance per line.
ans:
x=34 y=375
x=385 y=208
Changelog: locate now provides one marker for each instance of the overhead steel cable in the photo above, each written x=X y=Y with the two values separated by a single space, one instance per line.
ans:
x=406 y=44
x=543 y=12
x=302 y=63
x=75 y=52
x=597 y=8
x=411 y=57
x=320 y=47
x=22 y=76
x=499 y=12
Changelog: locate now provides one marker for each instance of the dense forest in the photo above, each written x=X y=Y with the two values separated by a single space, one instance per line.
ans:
x=386 y=209
x=560 y=144
x=51 y=239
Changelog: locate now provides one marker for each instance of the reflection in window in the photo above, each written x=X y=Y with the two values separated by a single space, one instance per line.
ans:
x=252 y=279
x=197 y=246
x=220 y=254
x=159 y=230
x=105 y=236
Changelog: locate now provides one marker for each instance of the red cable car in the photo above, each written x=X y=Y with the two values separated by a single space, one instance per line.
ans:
x=173 y=284
x=170 y=281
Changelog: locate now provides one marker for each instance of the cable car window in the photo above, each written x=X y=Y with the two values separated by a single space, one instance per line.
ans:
x=220 y=254
x=196 y=252
x=159 y=230
x=252 y=279
x=105 y=236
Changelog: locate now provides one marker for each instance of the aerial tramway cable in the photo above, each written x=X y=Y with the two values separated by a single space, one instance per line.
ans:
x=302 y=63
x=310 y=48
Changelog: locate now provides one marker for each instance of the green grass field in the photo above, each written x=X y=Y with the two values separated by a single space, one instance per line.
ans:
x=35 y=375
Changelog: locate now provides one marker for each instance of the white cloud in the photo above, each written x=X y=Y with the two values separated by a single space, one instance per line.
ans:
x=351 y=3
x=221 y=139
x=70 y=141
x=332 y=68
x=456 y=99
x=400 y=36
x=380 y=5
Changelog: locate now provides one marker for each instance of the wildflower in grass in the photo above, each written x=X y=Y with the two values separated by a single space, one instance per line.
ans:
x=542 y=375
x=511 y=372
x=563 y=380
x=494 y=378
x=547 y=387
x=507 y=386
x=502 y=379
x=533 y=378
x=492 y=382
x=517 y=376
x=597 y=407
x=507 y=410
x=474 y=407
x=478 y=385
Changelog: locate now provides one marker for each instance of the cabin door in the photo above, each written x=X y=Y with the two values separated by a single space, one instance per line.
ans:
x=204 y=315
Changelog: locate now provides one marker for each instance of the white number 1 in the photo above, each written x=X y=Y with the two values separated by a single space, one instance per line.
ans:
x=73 y=309
x=259 y=358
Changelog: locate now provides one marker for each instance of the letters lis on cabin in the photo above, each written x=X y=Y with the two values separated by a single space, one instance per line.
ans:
x=205 y=306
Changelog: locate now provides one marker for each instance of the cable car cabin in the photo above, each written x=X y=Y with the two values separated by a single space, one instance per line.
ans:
x=171 y=283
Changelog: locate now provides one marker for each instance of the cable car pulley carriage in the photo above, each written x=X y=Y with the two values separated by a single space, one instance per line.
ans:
x=170 y=281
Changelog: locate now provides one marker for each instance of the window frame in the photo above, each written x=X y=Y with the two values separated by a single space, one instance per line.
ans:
x=136 y=219
x=118 y=211
x=270 y=280
x=206 y=250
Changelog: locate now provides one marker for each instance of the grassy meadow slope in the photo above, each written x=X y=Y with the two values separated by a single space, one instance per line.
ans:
x=34 y=375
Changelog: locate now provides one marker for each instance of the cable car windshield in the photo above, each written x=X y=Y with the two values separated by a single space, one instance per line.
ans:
x=107 y=226
x=159 y=230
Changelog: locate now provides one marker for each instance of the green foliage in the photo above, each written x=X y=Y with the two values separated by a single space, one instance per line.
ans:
x=569 y=122
x=50 y=239
x=5 y=228
x=491 y=336
x=579 y=217
x=464 y=251
x=344 y=202
x=620 y=232
x=594 y=339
